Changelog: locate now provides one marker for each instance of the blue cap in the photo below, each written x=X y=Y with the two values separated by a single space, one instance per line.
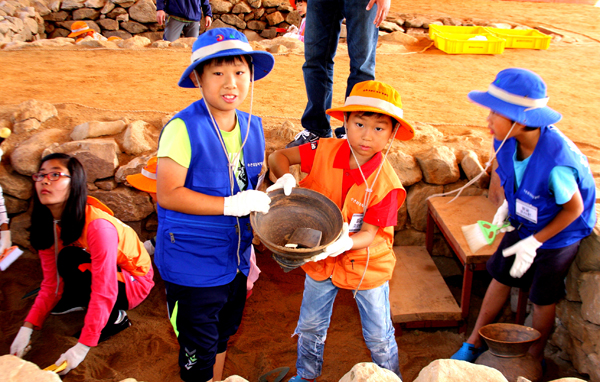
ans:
x=222 y=42
x=520 y=95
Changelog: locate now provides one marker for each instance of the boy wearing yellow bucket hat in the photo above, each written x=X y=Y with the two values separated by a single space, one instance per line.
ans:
x=355 y=174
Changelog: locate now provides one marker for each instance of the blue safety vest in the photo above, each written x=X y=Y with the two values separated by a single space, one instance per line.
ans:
x=531 y=206
x=207 y=250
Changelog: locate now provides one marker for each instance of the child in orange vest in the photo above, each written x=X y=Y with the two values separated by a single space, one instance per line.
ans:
x=354 y=174
x=81 y=30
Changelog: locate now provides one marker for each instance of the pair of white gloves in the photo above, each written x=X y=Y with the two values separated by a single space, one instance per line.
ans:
x=342 y=244
x=524 y=250
x=74 y=356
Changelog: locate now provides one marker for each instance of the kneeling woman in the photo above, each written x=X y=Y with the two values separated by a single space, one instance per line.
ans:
x=89 y=259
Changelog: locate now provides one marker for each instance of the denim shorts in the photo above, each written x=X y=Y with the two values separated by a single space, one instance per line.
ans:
x=545 y=279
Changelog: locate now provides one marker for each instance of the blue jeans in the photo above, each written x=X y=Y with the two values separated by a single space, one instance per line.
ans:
x=315 y=316
x=323 y=23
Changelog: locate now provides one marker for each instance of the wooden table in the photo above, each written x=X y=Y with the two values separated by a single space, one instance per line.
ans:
x=449 y=218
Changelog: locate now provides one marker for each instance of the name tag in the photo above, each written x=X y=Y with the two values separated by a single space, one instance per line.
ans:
x=526 y=211
x=356 y=222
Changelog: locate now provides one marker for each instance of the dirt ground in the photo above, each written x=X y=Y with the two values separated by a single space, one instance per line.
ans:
x=142 y=84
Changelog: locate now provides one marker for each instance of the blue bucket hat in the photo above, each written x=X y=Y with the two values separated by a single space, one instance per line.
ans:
x=520 y=95
x=222 y=42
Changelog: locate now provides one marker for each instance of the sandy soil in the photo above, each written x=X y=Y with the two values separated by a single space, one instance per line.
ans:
x=103 y=84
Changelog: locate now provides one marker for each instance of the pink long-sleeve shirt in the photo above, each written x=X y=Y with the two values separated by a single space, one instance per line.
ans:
x=103 y=242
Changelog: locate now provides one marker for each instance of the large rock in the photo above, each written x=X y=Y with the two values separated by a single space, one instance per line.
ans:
x=25 y=159
x=19 y=228
x=15 y=206
x=136 y=139
x=406 y=168
x=241 y=8
x=449 y=370
x=234 y=20
x=134 y=42
x=143 y=11
x=41 y=111
x=473 y=168
x=133 y=167
x=85 y=13
x=587 y=258
x=369 y=372
x=26 y=126
x=71 y=4
x=94 y=129
x=16 y=369
x=134 y=27
x=275 y=18
x=220 y=6
x=99 y=157
x=416 y=202
x=128 y=204
x=572 y=283
x=578 y=338
x=589 y=291
x=16 y=185
x=439 y=165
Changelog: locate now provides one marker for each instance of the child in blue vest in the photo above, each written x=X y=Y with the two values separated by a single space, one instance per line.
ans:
x=550 y=197
x=210 y=158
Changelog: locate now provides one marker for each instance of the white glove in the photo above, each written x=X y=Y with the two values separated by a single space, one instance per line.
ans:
x=21 y=342
x=5 y=241
x=500 y=217
x=341 y=245
x=242 y=203
x=287 y=182
x=74 y=356
x=292 y=29
x=525 y=251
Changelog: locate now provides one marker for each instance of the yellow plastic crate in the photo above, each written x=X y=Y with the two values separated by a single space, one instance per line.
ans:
x=433 y=28
x=460 y=44
x=522 y=39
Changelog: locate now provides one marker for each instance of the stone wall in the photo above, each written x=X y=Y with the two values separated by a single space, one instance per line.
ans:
x=577 y=333
x=112 y=150
x=31 y=20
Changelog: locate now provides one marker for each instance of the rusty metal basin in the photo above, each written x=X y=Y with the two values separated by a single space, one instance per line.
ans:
x=508 y=340
x=304 y=208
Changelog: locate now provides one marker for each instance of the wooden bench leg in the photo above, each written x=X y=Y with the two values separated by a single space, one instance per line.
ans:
x=429 y=233
x=522 y=306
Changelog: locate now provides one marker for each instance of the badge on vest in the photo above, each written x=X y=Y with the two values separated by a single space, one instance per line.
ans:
x=356 y=222
x=526 y=211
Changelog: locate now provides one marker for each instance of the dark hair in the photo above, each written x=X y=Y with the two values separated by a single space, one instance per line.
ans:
x=72 y=220
x=224 y=60
x=371 y=113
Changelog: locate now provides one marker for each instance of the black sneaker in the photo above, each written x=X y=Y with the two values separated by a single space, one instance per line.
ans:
x=340 y=132
x=303 y=137
x=112 y=329
x=64 y=307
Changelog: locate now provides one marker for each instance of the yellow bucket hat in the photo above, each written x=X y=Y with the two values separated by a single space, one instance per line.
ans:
x=146 y=180
x=377 y=97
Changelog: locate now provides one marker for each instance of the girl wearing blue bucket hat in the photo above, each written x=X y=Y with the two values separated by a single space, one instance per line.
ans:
x=210 y=160
x=549 y=201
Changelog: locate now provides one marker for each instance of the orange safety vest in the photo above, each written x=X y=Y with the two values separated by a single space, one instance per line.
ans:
x=131 y=254
x=346 y=270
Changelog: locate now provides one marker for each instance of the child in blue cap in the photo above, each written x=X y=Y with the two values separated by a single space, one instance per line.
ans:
x=550 y=196
x=210 y=158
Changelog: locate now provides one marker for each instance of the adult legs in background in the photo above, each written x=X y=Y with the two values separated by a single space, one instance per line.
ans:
x=191 y=29
x=173 y=29
x=323 y=23
x=362 y=41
